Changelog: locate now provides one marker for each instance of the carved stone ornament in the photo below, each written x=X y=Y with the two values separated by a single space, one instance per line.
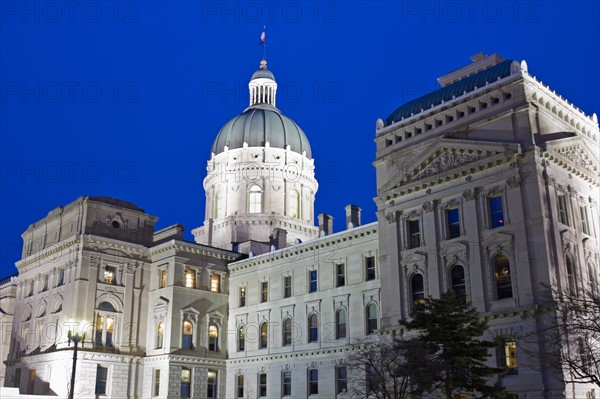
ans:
x=513 y=181
x=469 y=194
x=445 y=162
x=390 y=217
x=428 y=206
x=578 y=157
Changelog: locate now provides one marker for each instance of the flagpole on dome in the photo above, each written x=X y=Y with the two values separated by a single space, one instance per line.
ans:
x=263 y=35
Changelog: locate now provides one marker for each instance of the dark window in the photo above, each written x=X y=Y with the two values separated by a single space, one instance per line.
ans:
x=585 y=224
x=341 y=377
x=313 y=382
x=287 y=383
x=287 y=332
x=572 y=285
x=417 y=289
x=313 y=281
x=101 y=377
x=264 y=335
x=340 y=275
x=240 y=386
x=496 y=211
x=287 y=286
x=156 y=382
x=17 y=380
x=563 y=215
x=186 y=382
x=61 y=278
x=242 y=296
x=372 y=379
x=414 y=234
x=502 y=276
x=241 y=339
x=457 y=277
x=369 y=268
x=313 y=328
x=211 y=384
x=371 y=318
x=31 y=382
x=262 y=385
x=340 y=324
x=452 y=218
x=264 y=292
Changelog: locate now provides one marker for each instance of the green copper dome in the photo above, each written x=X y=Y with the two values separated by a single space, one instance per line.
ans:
x=259 y=124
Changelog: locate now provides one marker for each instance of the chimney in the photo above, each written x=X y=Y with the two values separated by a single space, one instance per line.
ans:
x=279 y=238
x=325 y=224
x=352 y=216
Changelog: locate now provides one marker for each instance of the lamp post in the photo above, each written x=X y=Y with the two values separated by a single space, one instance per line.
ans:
x=76 y=338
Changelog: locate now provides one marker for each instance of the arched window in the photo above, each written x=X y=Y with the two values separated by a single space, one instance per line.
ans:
x=417 y=289
x=264 y=336
x=255 y=199
x=340 y=324
x=160 y=330
x=313 y=328
x=241 y=338
x=287 y=332
x=218 y=205
x=187 y=334
x=571 y=276
x=502 y=276
x=213 y=338
x=107 y=307
x=295 y=204
x=371 y=318
x=457 y=280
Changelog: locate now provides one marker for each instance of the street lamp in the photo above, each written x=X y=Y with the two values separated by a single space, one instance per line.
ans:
x=76 y=338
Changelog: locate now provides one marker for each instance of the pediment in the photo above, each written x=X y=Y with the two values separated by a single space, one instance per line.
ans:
x=449 y=159
x=161 y=302
x=575 y=156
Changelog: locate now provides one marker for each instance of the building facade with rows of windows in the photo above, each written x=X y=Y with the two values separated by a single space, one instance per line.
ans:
x=488 y=186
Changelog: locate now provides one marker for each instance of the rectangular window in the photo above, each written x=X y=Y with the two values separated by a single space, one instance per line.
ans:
x=287 y=383
x=585 y=224
x=313 y=382
x=186 y=383
x=312 y=281
x=262 y=385
x=101 y=377
x=163 y=279
x=17 y=381
x=340 y=275
x=240 y=386
x=99 y=329
x=287 y=286
x=509 y=356
x=370 y=268
x=414 y=234
x=496 y=211
x=31 y=382
x=190 y=278
x=453 y=222
x=341 y=380
x=215 y=282
x=60 y=278
x=156 y=382
x=563 y=215
x=264 y=291
x=110 y=275
x=211 y=384
x=110 y=327
x=242 y=297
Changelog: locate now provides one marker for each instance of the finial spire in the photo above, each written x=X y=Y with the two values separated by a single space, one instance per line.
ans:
x=263 y=36
x=263 y=64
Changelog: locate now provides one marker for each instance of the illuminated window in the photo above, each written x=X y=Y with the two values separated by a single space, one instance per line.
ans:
x=287 y=286
x=313 y=382
x=262 y=385
x=160 y=330
x=502 y=276
x=313 y=328
x=457 y=279
x=312 y=281
x=190 y=278
x=287 y=383
x=156 y=382
x=211 y=384
x=264 y=336
x=99 y=329
x=509 y=356
x=241 y=338
x=371 y=318
x=242 y=296
x=213 y=338
x=417 y=289
x=341 y=380
x=287 y=332
x=105 y=327
x=414 y=233
x=496 y=211
x=163 y=279
x=215 y=282
x=187 y=334
x=369 y=268
x=340 y=324
x=110 y=275
x=295 y=204
x=255 y=199
x=264 y=292
x=340 y=274
x=217 y=206
x=186 y=382
x=240 y=386
x=563 y=214
x=453 y=223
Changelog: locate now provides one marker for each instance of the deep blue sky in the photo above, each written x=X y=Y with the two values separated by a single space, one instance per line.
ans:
x=125 y=98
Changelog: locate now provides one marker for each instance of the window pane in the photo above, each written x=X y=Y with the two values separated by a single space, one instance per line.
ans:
x=418 y=290
x=340 y=324
x=414 y=234
x=242 y=296
x=264 y=335
x=262 y=385
x=186 y=381
x=457 y=275
x=340 y=275
x=241 y=339
x=371 y=318
x=453 y=223
x=215 y=283
x=110 y=275
x=264 y=296
x=101 y=377
x=502 y=275
x=255 y=200
x=240 y=386
x=370 y=266
x=190 y=278
x=213 y=338
x=313 y=281
x=287 y=383
x=187 y=335
x=496 y=212
x=287 y=282
x=313 y=328
x=211 y=384
x=287 y=332
x=341 y=380
x=313 y=382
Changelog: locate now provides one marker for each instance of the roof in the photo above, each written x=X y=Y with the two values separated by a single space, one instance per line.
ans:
x=447 y=93
x=263 y=73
